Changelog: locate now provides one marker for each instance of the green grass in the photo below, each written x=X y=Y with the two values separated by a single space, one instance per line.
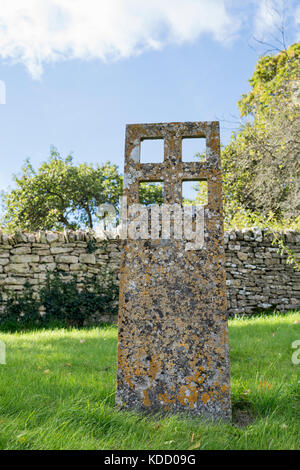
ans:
x=57 y=392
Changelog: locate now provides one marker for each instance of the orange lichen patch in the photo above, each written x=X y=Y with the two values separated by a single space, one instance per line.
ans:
x=127 y=372
x=197 y=377
x=166 y=399
x=138 y=372
x=205 y=398
x=181 y=397
x=146 y=400
x=141 y=353
x=188 y=394
x=154 y=367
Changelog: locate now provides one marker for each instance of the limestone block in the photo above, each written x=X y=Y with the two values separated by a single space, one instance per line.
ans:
x=21 y=250
x=63 y=267
x=87 y=258
x=77 y=267
x=15 y=281
x=4 y=261
x=18 y=268
x=46 y=259
x=66 y=259
x=41 y=252
x=25 y=259
x=31 y=237
x=242 y=256
x=20 y=237
x=50 y=266
x=52 y=237
x=60 y=249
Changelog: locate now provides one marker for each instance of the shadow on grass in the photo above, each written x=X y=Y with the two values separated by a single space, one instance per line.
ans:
x=243 y=413
x=8 y=326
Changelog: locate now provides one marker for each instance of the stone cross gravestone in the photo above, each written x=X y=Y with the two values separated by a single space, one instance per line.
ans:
x=172 y=331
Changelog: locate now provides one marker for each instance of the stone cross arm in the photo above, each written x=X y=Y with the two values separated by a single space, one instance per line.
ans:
x=173 y=171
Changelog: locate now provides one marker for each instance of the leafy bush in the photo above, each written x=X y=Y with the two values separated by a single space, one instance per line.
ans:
x=91 y=246
x=63 y=300
x=20 y=308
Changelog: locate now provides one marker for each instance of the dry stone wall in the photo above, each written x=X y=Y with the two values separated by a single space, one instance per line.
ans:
x=257 y=275
x=26 y=257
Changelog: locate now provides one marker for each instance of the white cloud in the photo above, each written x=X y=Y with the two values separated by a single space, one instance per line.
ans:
x=34 y=32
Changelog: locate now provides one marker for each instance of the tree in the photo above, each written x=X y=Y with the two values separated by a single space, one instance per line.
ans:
x=60 y=195
x=261 y=163
x=151 y=193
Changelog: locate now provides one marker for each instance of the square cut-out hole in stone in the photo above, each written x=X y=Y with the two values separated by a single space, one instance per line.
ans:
x=194 y=150
x=152 y=151
x=195 y=192
x=151 y=193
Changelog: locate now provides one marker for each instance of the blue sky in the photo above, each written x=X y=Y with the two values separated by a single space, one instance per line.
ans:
x=77 y=71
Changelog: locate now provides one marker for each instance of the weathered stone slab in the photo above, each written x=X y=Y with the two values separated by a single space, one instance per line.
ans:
x=18 y=268
x=66 y=259
x=24 y=259
x=52 y=237
x=173 y=341
x=21 y=250
x=87 y=258
x=4 y=261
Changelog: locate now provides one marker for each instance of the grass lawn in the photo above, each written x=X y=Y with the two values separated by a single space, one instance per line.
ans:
x=57 y=392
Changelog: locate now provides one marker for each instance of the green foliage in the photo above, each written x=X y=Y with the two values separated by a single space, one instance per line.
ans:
x=63 y=300
x=283 y=249
x=91 y=246
x=261 y=163
x=60 y=195
x=20 y=308
x=201 y=195
x=237 y=218
x=151 y=193
x=274 y=76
